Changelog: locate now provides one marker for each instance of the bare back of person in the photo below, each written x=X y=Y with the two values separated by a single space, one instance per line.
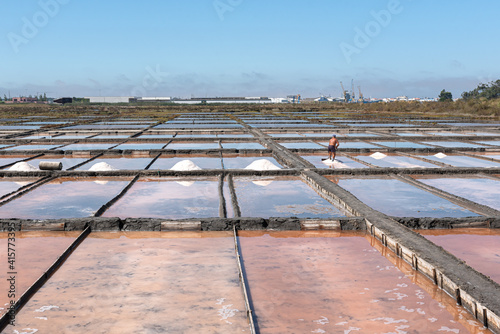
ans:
x=333 y=144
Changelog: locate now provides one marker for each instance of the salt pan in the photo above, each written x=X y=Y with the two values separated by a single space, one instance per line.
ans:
x=262 y=164
x=23 y=167
x=101 y=167
x=185 y=165
x=440 y=155
x=378 y=155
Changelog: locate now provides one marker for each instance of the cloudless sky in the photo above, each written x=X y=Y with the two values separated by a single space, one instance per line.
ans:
x=271 y=48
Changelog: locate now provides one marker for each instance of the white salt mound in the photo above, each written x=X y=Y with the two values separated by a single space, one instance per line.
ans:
x=378 y=155
x=101 y=167
x=262 y=164
x=23 y=167
x=440 y=155
x=185 y=165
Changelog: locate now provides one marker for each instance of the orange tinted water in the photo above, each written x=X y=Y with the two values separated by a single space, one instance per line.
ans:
x=323 y=282
x=146 y=282
x=34 y=254
x=480 y=248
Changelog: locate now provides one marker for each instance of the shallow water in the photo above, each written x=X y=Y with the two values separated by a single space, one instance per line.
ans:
x=281 y=197
x=482 y=191
x=204 y=162
x=235 y=161
x=400 y=144
x=140 y=146
x=397 y=198
x=169 y=198
x=462 y=161
x=192 y=146
x=34 y=254
x=119 y=162
x=479 y=248
x=396 y=161
x=67 y=162
x=88 y=147
x=243 y=146
x=31 y=147
x=64 y=198
x=452 y=144
x=138 y=282
x=341 y=162
x=302 y=145
x=336 y=282
x=353 y=144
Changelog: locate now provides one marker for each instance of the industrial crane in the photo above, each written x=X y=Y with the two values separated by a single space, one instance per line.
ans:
x=353 y=96
x=345 y=94
x=360 y=98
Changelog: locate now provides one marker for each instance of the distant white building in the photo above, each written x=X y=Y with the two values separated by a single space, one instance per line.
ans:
x=111 y=99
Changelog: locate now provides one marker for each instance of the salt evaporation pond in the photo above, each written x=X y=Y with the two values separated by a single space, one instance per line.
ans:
x=88 y=147
x=453 y=144
x=140 y=146
x=335 y=282
x=242 y=146
x=64 y=198
x=462 y=161
x=281 y=197
x=202 y=161
x=12 y=184
x=170 y=282
x=478 y=247
x=239 y=162
x=396 y=162
x=119 y=162
x=32 y=147
x=400 y=144
x=340 y=162
x=67 y=161
x=397 y=198
x=480 y=190
x=35 y=253
x=192 y=146
x=172 y=198
x=8 y=160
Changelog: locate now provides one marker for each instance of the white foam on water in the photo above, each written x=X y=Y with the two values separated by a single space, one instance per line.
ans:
x=227 y=312
x=185 y=165
x=378 y=155
x=101 y=167
x=440 y=155
x=46 y=308
x=29 y=331
x=262 y=164
x=322 y=321
x=23 y=167
x=448 y=330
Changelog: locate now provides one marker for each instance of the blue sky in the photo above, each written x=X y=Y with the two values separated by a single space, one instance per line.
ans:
x=247 y=47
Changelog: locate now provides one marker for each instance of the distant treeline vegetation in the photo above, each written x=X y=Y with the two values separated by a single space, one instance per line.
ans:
x=488 y=91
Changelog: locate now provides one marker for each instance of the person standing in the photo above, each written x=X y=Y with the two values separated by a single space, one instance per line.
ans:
x=333 y=144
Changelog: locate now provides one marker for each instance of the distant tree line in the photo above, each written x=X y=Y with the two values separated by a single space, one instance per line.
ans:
x=488 y=91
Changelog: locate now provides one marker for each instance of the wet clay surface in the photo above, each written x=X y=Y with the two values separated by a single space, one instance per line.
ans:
x=142 y=282
x=336 y=282
x=34 y=254
x=479 y=248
